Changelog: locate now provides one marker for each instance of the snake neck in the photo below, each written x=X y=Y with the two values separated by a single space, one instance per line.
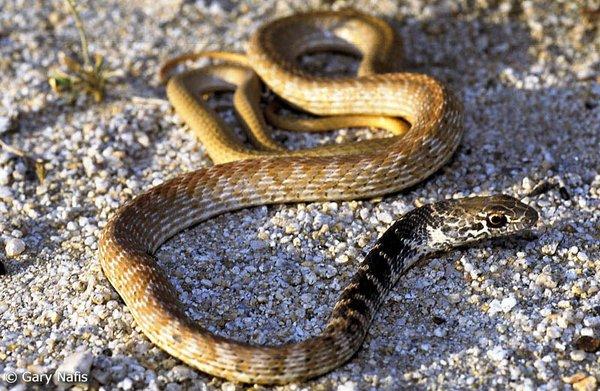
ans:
x=399 y=248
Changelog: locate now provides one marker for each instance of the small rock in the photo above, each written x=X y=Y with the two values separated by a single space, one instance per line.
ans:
x=173 y=387
x=14 y=247
x=587 y=384
x=227 y=386
x=495 y=306
x=577 y=355
x=77 y=364
x=5 y=124
x=126 y=384
x=385 y=217
x=342 y=259
x=564 y=193
x=554 y=332
x=574 y=378
x=257 y=244
x=508 y=304
x=5 y=176
x=587 y=332
x=545 y=281
x=497 y=353
x=438 y=320
x=6 y=193
x=347 y=386
x=453 y=298
x=101 y=376
x=88 y=166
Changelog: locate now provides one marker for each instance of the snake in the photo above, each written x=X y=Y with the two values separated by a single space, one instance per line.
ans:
x=427 y=118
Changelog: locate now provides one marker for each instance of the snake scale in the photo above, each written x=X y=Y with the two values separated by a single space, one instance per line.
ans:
x=268 y=174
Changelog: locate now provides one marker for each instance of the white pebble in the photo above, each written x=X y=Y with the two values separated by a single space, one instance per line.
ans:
x=5 y=176
x=14 y=247
x=347 y=386
x=583 y=257
x=364 y=214
x=508 y=304
x=497 y=353
x=385 y=217
x=4 y=124
x=88 y=166
x=126 y=384
x=577 y=355
x=587 y=332
x=342 y=259
x=495 y=307
x=554 y=332
x=5 y=193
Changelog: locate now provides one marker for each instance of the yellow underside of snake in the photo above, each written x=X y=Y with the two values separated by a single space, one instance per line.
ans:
x=422 y=113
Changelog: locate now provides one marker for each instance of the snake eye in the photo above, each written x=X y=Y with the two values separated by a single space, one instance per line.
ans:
x=496 y=220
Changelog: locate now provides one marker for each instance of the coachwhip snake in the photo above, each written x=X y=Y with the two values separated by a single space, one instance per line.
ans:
x=245 y=177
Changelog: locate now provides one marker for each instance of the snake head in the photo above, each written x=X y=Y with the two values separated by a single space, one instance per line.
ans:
x=466 y=220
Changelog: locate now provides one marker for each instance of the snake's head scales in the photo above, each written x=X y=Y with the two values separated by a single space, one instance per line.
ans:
x=467 y=220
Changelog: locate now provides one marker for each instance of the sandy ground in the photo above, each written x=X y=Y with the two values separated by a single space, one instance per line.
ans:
x=522 y=313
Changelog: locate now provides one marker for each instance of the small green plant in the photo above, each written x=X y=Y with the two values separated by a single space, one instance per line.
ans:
x=83 y=75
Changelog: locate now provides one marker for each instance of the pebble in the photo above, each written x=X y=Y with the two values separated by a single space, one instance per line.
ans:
x=5 y=176
x=495 y=306
x=181 y=373
x=574 y=378
x=582 y=256
x=14 y=247
x=385 y=217
x=577 y=355
x=508 y=304
x=342 y=259
x=5 y=124
x=347 y=386
x=545 y=281
x=498 y=353
x=76 y=363
x=588 y=383
x=554 y=332
x=126 y=384
x=6 y=193
x=587 y=331
x=454 y=298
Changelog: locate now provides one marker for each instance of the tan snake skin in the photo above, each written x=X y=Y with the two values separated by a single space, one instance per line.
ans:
x=270 y=175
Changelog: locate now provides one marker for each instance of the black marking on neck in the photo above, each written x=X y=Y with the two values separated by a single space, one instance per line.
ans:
x=395 y=251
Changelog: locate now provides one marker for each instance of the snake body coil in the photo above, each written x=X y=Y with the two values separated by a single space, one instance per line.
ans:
x=270 y=175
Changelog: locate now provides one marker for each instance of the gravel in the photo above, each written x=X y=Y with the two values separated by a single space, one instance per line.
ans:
x=521 y=313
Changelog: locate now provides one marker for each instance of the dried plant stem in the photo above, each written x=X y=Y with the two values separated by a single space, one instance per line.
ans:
x=82 y=37
x=35 y=163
